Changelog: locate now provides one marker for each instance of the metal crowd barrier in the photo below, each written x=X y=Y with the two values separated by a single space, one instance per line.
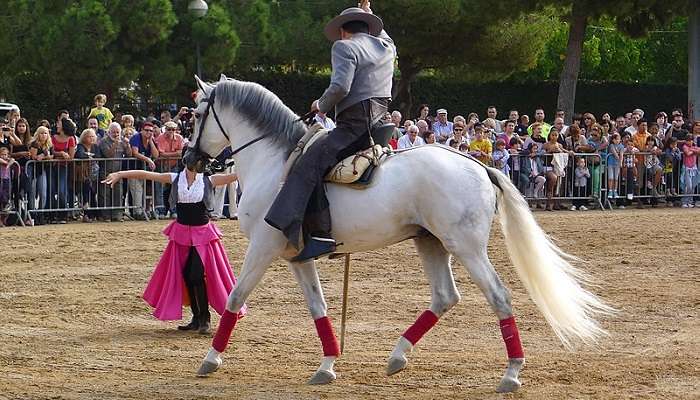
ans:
x=61 y=190
x=562 y=181
x=65 y=189
x=11 y=197
x=647 y=177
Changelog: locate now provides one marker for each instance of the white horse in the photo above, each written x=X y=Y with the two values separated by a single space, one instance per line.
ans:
x=262 y=131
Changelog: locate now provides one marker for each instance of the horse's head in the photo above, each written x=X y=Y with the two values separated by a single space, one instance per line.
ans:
x=209 y=138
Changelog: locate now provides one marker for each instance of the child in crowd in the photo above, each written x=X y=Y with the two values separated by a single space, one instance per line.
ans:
x=463 y=148
x=501 y=156
x=690 y=171
x=532 y=173
x=582 y=174
x=480 y=148
x=615 y=150
x=6 y=163
x=629 y=166
x=672 y=161
x=652 y=165
x=101 y=113
x=194 y=253
x=514 y=159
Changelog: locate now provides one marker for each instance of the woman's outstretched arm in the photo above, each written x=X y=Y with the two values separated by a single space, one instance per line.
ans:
x=115 y=177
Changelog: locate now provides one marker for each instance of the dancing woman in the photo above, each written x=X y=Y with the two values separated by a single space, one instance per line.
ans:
x=194 y=252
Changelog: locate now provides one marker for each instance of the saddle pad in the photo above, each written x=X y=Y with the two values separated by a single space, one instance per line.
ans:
x=351 y=168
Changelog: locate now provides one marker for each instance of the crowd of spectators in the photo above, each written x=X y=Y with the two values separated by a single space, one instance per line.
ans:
x=623 y=160
x=56 y=168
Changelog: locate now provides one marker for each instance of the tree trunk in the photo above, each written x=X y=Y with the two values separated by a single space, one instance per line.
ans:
x=402 y=90
x=572 y=65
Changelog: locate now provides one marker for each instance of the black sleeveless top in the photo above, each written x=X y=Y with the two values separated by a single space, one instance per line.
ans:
x=192 y=214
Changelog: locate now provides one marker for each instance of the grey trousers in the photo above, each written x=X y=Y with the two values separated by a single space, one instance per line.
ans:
x=303 y=194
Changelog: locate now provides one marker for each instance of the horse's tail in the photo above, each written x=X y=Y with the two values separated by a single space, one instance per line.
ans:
x=546 y=271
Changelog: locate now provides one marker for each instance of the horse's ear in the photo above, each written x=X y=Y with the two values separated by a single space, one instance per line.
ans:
x=200 y=83
x=223 y=78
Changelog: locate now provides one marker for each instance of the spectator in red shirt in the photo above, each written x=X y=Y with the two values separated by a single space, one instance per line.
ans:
x=170 y=145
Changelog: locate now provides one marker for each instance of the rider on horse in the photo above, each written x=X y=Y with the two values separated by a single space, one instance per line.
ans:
x=363 y=66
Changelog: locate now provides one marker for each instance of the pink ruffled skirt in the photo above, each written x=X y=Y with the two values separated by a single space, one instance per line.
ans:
x=166 y=291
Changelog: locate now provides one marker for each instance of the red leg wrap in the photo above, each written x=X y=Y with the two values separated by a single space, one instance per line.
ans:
x=423 y=324
x=327 y=336
x=511 y=337
x=223 y=332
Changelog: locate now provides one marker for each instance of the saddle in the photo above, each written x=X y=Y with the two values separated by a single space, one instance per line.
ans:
x=357 y=168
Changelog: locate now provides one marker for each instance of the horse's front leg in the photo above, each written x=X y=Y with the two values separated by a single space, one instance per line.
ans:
x=263 y=248
x=307 y=277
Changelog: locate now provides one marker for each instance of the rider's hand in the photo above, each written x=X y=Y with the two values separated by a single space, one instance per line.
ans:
x=314 y=106
x=365 y=5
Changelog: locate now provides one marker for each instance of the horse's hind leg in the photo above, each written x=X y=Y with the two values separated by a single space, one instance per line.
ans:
x=444 y=295
x=307 y=277
x=471 y=251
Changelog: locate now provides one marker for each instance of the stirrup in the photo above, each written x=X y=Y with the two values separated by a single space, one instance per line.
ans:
x=314 y=248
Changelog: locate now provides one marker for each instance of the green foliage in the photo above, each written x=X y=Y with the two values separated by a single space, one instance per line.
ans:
x=464 y=97
x=610 y=55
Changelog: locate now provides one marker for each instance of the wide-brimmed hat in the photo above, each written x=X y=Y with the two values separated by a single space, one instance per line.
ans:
x=332 y=29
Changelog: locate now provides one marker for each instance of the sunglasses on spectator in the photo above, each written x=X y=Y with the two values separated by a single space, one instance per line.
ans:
x=170 y=129
x=147 y=130
x=458 y=129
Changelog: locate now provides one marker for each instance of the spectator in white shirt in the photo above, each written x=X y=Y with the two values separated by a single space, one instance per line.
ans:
x=323 y=119
x=442 y=127
x=411 y=139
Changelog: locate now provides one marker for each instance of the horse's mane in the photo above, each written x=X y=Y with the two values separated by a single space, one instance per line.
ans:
x=263 y=109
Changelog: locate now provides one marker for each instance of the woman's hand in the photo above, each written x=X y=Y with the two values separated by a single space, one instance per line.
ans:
x=112 y=179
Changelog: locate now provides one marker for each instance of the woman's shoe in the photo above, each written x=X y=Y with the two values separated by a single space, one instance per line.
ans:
x=192 y=326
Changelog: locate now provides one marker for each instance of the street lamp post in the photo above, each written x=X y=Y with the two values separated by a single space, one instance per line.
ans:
x=198 y=8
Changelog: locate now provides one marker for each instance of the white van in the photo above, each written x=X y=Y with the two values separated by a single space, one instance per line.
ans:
x=6 y=107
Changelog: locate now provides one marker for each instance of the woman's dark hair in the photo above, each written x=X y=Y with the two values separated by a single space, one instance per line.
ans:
x=426 y=134
x=355 y=27
x=68 y=127
x=27 y=135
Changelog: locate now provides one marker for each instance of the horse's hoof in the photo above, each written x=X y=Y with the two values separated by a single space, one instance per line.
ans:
x=208 y=367
x=322 y=377
x=508 y=385
x=396 y=365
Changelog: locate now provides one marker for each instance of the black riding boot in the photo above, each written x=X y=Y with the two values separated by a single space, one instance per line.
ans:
x=204 y=317
x=194 y=306
x=316 y=227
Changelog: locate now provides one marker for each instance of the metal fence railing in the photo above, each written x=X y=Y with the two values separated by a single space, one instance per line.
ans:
x=542 y=179
x=62 y=190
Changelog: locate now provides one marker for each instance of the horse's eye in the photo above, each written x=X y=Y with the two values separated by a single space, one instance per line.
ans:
x=197 y=115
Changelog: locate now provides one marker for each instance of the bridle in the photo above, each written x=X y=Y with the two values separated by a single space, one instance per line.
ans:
x=210 y=107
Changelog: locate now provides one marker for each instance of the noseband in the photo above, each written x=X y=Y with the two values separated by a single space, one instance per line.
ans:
x=210 y=107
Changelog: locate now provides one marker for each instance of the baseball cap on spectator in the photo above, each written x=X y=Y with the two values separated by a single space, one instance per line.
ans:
x=170 y=124
x=147 y=124
x=479 y=125
x=442 y=111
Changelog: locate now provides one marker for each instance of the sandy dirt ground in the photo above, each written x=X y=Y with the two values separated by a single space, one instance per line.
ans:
x=73 y=325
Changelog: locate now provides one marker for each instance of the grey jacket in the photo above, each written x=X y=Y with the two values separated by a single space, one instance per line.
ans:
x=363 y=67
